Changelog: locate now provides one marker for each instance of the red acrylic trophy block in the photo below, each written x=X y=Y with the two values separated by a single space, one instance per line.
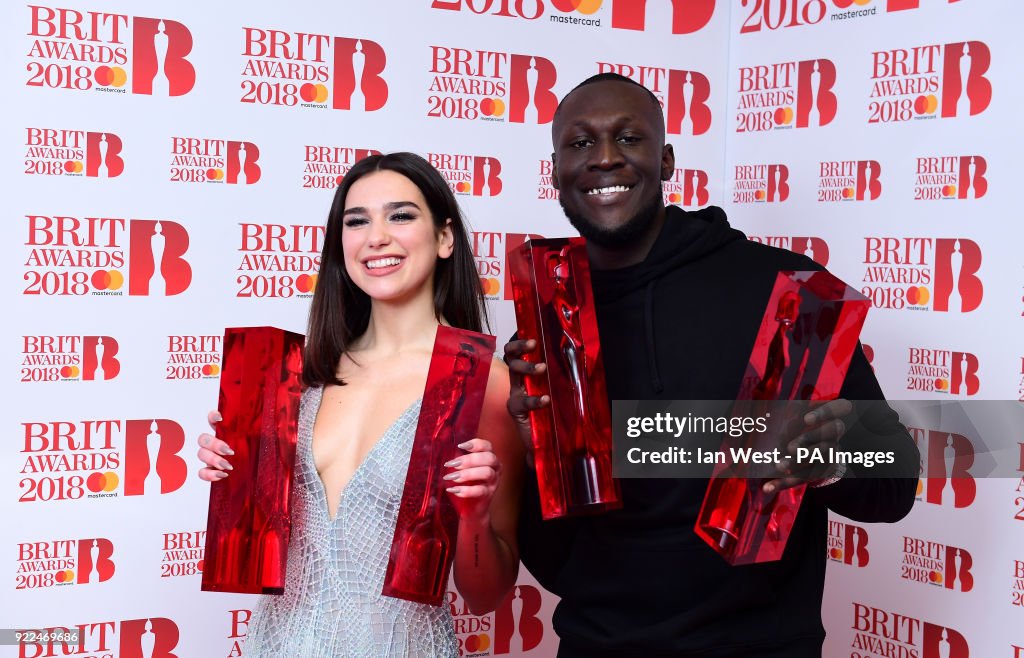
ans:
x=248 y=524
x=572 y=437
x=423 y=546
x=803 y=349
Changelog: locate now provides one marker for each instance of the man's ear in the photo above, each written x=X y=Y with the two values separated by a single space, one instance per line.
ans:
x=554 y=172
x=668 y=162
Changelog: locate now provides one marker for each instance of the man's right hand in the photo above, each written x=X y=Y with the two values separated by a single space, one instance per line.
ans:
x=519 y=403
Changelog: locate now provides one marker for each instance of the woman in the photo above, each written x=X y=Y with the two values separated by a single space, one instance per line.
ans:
x=396 y=263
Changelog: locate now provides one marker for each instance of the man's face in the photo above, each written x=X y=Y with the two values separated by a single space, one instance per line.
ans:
x=609 y=160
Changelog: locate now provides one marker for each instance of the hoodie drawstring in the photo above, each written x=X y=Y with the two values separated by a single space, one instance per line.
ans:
x=652 y=357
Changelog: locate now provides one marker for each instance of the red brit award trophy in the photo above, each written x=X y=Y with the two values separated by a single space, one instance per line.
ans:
x=248 y=524
x=423 y=547
x=802 y=351
x=572 y=437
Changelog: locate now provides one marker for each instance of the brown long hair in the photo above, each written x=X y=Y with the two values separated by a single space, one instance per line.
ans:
x=340 y=311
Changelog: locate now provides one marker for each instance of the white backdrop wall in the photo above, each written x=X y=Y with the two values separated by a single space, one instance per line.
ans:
x=223 y=132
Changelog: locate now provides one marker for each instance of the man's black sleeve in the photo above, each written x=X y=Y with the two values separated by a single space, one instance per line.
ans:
x=884 y=493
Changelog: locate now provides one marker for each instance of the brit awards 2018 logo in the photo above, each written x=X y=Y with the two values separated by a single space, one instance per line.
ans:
x=302 y=69
x=193 y=357
x=238 y=631
x=63 y=152
x=786 y=95
x=182 y=553
x=324 y=166
x=760 y=183
x=69 y=358
x=108 y=52
x=491 y=251
x=491 y=86
x=879 y=633
x=814 y=248
x=777 y=14
x=848 y=544
x=202 y=160
x=950 y=177
x=942 y=371
x=279 y=260
x=61 y=562
x=925 y=82
x=155 y=637
x=75 y=460
x=71 y=256
x=545 y=185
x=849 y=180
x=683 y=17
x=687 y=188
x=936 y=564
x=946 y=461
x=683 y=94
x=473 y=632
x=922 y=274
x=474 y=175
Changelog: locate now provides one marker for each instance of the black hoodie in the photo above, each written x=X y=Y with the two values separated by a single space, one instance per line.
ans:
x=638 y=581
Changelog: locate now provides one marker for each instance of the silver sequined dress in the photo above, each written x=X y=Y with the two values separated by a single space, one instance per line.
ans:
x=332 y=606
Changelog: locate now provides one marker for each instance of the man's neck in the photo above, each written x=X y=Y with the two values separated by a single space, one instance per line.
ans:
x=618 y=256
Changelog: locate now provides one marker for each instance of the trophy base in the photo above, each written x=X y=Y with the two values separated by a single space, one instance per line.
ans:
x=230 y=588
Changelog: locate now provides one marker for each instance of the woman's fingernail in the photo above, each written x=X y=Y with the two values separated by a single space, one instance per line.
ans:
x=453 y=476
x=455 y=463
x=220 y=475
x=226 y=466
x=227 y=451
x=217 y=417
x=454 y=490
x=465 y=445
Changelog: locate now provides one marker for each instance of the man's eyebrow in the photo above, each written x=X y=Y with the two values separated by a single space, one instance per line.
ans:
x=390 y=205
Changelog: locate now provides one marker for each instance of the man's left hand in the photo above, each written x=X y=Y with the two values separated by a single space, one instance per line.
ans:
x=820 y=428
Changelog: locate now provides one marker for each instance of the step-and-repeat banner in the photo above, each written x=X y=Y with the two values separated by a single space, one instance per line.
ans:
x=170 y=167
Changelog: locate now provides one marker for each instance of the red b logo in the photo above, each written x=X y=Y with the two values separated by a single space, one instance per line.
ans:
x=358 y=64
x=816 y=105
x=156 y=266
x=148 y=638
x=159 y=65
x=94 y=556
x=957 y=288
x=242 y=157
x=103 y=155
x=688 y=16
x=530 y=98
x=965 y=89
x=151 y=461
x=486 y=176
x=99 y=358
x=869 y=185
x=518 y=616
x=688 y=94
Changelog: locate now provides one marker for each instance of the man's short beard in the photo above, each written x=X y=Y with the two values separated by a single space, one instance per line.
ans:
x=621 y=236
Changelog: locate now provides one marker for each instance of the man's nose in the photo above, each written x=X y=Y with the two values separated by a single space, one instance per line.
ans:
x=606 y=154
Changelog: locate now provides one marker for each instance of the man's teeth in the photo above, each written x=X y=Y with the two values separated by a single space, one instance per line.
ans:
x=382 y=262
x=609 y=190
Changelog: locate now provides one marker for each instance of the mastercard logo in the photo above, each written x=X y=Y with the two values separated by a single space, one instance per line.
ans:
x=211 y=370
x=110 y=76
x=65 y=576
x=480 y=642
x=313 y=93
x=760 y=195
x=941 y=384
x=926 y=104
x=918 y=295
x=490 y=285
x=935 y=577
x=783 y=116
x=847 y=192
x=107 y=280
x=70 y=372
x=836 y=554
x=675 y=197
x=215 y=174
x=948 y=190
x=102 y=482
x=463 y=187
x=582 y=6
x=492 y=107
x=74 y=166
x=306 y=283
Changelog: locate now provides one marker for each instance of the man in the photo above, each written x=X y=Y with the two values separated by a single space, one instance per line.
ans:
x=679 y=298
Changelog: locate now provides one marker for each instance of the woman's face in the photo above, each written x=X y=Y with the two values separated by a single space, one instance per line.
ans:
x=388 y=237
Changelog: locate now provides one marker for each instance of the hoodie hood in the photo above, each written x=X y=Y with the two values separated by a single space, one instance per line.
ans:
x=685 y=237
